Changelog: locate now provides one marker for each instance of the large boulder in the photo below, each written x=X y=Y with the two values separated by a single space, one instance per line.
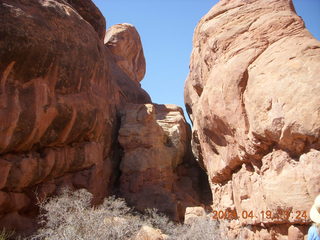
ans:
x=149 y=233
x=90 y=13
x=124 y=42
x=60 y=89
x=128 y=66
x=252 y=95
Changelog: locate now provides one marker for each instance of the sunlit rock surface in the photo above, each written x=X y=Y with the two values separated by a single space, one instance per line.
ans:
x=60 y=92
x=252 y=94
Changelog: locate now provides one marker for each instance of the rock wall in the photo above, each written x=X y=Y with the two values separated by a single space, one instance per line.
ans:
x=157 y=167
x=70 y=102
x=252 y=95
x=60 y=92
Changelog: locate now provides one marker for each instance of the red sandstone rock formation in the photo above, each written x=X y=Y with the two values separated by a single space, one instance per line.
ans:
x=157 y=169
x=60 y=89
x=124 y=42
x=63 y=92
x=252 y=94
x=128 y=66
x=90 y=13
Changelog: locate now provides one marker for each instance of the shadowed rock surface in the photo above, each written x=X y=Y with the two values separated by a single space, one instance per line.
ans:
x=60 y=90
x=73 y=113
x=252 y=95
x=157 y=168
x=64 y=93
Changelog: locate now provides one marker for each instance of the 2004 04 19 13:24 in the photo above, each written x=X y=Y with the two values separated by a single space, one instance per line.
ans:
x=279 y=215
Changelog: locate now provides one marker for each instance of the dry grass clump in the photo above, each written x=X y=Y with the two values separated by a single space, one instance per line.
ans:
x=5 y=234
x=70 y=216
x=202 y=228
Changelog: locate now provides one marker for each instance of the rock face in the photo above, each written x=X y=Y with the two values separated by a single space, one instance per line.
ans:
x=60 y=91
x=124 y=42
x=252 y=95
x=73 y=113
x=192 y=213
x=128 y=67
x=157 y=169
x=90 y=13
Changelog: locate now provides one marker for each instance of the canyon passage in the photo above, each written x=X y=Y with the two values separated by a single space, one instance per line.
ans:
x=73 y=114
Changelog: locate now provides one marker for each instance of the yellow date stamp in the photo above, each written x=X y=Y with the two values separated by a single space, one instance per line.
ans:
x=274 y=216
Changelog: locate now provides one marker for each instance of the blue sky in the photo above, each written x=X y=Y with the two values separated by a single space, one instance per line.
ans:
x=166 y=29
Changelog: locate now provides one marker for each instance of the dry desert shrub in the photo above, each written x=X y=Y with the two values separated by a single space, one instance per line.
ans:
x=5 y=234
x=70 y=216
x=202 y=228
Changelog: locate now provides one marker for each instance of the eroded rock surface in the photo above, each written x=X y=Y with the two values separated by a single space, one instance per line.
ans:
x=252 y=94
x=128 y=64
x=124 y=42
x=157 y=169
x=90 y=13
x=60 y=91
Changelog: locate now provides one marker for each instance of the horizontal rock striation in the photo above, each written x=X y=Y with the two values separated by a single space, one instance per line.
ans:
x=60 y=93
x=73 y=114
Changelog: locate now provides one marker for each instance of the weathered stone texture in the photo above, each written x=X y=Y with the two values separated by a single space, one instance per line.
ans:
x=60 y=91
x=157 y=170
x=124 y=42
x=252 y=94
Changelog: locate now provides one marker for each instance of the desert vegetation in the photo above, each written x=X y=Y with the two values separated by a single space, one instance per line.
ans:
x=4 y=234
x=70 y=216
